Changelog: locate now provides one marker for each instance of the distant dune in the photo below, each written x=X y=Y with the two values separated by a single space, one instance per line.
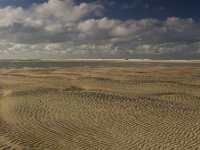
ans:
x=117 y=108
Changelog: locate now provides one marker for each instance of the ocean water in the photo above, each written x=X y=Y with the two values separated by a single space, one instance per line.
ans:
x=85 y=63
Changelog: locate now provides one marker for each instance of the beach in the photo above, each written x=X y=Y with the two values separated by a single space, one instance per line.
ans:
x=105 y=106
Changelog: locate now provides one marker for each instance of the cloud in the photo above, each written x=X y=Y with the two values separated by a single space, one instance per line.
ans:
x=142 y=4
x=131 y=5
x=64 y=29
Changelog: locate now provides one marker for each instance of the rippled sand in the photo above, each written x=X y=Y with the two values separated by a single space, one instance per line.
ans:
x=100 y=108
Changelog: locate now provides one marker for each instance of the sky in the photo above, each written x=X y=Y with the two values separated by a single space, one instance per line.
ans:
x=64 y=29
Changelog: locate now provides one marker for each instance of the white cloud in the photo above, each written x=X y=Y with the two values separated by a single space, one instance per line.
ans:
x=66 y=29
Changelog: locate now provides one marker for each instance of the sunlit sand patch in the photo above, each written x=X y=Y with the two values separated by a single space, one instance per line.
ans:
x=6 y=92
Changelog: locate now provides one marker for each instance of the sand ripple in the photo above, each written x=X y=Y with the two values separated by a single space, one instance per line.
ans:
x=88 y=113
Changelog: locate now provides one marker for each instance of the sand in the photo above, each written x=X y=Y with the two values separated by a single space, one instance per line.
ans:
x=111 y=108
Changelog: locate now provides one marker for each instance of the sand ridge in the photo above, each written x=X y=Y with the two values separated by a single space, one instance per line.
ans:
x=100 y=108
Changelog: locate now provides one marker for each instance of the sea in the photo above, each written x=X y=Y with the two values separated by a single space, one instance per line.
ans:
x=18 y=64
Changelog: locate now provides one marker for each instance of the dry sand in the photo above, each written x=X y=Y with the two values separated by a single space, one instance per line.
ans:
x=115 y=108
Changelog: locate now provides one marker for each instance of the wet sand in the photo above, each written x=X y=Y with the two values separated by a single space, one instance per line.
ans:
x=118 y=108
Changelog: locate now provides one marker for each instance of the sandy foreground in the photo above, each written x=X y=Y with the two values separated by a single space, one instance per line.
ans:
x=109 y=108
